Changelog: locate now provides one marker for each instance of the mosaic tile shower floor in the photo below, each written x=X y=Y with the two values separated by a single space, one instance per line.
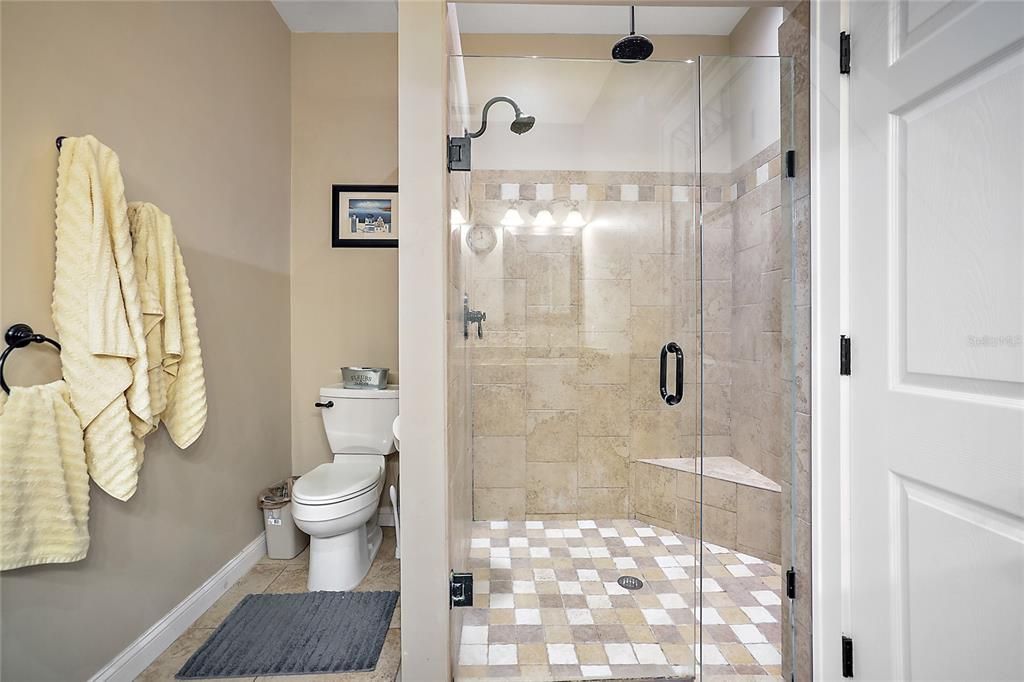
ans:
x=547 y=605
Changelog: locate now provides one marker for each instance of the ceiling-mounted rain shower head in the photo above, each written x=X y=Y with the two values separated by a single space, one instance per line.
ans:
x=634 y=47
x=459 y=147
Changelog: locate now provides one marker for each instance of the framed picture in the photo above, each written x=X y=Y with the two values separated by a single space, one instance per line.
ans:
x=365 y=216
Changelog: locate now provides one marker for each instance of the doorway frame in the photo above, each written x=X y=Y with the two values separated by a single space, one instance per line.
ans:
x=829 y=319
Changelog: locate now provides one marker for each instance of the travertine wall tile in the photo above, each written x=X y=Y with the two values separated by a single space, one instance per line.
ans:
x=512 y=371
x=654 y=491
x=656 y=433
x=551 y=487
x=759 y=520
x=719 y=526
x=719 y=493
x=551 y=436
x=603 y=462
x=499 y=461
x=604 y=411
x=499 y=410
x=605 y=305
x=499 y=503
x=551 y=384
x=604 y=358
x=603 y=503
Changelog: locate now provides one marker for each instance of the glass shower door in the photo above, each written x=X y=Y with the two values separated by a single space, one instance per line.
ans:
x=749 y=266
x=579 y=246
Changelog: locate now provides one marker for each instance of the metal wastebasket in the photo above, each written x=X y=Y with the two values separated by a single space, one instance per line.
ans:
x=284 y=539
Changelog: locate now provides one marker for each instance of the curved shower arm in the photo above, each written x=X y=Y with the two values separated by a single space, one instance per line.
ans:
x=483 y=116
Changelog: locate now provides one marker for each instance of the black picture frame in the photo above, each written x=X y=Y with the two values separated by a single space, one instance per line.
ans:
x=338 y=240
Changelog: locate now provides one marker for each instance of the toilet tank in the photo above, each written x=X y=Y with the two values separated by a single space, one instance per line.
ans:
x=359 y=421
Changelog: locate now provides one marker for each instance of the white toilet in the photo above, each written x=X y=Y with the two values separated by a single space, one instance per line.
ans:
x=336 y=503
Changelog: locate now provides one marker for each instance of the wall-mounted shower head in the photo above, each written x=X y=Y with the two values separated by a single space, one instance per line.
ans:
x=522 y=124
x=634 y=47
x=459 y=148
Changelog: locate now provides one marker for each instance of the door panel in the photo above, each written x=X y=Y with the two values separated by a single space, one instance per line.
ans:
x=937 y=317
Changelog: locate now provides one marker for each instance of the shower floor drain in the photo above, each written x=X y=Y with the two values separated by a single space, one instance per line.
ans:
x=630 y=582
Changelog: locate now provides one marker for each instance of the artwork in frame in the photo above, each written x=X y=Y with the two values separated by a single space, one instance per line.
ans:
x=365 y=216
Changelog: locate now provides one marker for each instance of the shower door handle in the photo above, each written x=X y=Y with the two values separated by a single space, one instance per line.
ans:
x=677 y=397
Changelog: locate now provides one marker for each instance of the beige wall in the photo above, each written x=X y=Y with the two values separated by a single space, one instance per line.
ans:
x=194 y=98
x=585 y=46
x=757 y=33
x=344 y=302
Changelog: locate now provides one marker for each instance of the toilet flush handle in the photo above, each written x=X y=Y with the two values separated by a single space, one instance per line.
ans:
x=329 y=403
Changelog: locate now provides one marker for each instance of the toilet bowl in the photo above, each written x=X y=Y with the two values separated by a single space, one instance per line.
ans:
x=336 y=503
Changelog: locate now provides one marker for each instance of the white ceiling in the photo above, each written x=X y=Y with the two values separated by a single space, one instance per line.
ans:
x=599 y=20
x=339 y=16
x=381 y=16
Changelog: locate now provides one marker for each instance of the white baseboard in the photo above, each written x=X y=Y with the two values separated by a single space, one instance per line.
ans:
x=128 y=664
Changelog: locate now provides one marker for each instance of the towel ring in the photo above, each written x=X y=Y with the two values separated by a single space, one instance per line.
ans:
x=18 y=336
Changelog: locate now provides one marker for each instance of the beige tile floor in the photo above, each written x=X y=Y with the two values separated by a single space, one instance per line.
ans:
x=275 y=576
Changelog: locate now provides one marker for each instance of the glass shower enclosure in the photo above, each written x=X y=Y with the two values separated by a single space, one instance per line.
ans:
x=619 y=388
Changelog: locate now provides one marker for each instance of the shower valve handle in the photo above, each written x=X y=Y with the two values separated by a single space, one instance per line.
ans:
x=470 y=317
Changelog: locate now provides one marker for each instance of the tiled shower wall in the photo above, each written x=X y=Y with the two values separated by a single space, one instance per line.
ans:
x=759 y=399
x=565 y=385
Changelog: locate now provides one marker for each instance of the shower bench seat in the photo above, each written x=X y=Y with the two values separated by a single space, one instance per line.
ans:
x=741 y=507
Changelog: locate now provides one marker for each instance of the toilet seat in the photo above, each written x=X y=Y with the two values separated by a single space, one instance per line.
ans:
x=335 y=482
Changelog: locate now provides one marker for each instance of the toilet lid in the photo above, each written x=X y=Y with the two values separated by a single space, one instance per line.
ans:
x=336 y=481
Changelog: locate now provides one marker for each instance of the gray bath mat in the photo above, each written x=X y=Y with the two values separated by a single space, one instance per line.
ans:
x=295 y=634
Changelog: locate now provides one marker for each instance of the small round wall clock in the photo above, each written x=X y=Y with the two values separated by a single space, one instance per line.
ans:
x=481 y=239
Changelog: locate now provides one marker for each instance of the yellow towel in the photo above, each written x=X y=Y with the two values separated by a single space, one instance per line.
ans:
x=98 y=314
x=177 y=387
x=44 y=504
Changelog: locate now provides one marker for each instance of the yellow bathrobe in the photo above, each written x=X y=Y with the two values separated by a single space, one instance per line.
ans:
x=98 y=314
x=44 y=504
x=177 y=387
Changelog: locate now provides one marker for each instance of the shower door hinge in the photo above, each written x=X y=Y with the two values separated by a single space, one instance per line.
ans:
x=790 y=163
x=460 y=590
x=844 y=53
x=847 y=656
x=844 y=355
x=459 y=153
x=791 y=583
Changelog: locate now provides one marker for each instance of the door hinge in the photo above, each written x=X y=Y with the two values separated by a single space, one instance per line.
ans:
x=844 y=355
x=844 y=52
x=460 y=590
x=847 y=656
x=791 y=163
x=791 y=583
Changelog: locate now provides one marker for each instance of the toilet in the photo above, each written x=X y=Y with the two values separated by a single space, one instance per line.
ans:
x=336 y=503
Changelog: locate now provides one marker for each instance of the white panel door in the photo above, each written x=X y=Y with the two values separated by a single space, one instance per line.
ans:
x=936 y=224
